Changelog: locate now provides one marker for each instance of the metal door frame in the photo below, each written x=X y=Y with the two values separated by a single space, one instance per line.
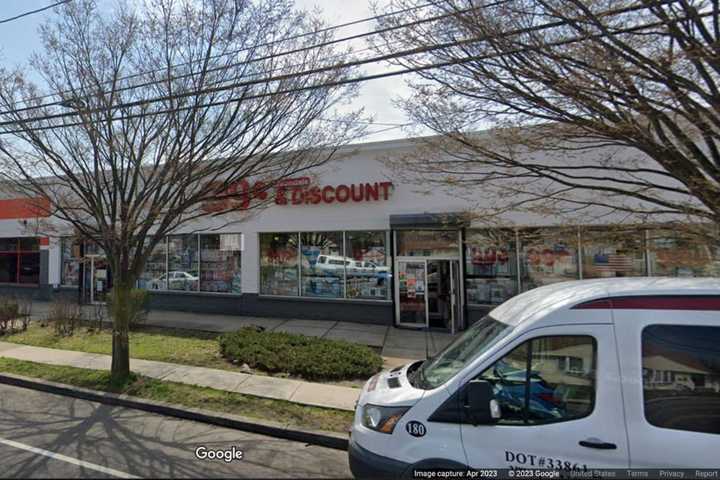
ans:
x=456 y=297
x=455 y=300
x=422 y=260
x=92 y=258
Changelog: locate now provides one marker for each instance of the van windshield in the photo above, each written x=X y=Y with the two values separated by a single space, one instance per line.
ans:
x=447 y=363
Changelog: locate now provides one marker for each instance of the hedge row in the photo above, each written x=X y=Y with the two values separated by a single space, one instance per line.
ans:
x=308 y=357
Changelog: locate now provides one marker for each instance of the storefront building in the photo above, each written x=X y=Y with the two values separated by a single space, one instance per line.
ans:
x=350 y=243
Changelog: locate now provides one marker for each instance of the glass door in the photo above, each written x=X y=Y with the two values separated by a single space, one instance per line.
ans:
x=439 y=294
x=455 y=297
x=100 y=279
x=412 y=293
x=443 y=292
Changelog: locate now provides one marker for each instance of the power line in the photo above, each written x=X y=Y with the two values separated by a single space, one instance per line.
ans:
x=266 y=44
x=33 y=12
x=155 y=82
x=325 y=69
x=346 y=81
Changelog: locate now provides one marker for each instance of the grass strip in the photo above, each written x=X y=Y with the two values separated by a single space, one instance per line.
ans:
x=170 y=345
x=279 y=411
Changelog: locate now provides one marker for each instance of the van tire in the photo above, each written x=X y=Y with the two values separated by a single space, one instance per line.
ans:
x=433 y=464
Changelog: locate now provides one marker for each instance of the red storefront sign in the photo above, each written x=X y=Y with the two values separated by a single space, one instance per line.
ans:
x=300 y=191
x=11 y=208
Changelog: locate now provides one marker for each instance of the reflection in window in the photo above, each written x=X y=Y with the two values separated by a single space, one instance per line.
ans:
x=681 y=377
x=20 y=260
x=368 y=274
x=548 y=256
x=676 y=255
x=614 y=254
x=323 y=264
x=220 y=257
x=560 y=372
x=428 y=243
x=69 y=261
x=154 y=277
x=508 y=377
x=182 y=262
x=279 y=264
x=490 y=266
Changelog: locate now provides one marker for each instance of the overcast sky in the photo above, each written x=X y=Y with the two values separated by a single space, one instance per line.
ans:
x=19 y=38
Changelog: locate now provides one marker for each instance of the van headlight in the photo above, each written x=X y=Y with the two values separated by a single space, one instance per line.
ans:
x=382 y=419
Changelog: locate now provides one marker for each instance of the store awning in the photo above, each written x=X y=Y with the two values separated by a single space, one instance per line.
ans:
x=429 y=220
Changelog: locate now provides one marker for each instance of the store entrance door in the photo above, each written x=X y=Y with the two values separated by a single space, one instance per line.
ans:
x=428 y=294
x=443 y=298
x=97 y=279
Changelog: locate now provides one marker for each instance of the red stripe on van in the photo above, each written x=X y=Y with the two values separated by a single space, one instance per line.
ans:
x=654 y=302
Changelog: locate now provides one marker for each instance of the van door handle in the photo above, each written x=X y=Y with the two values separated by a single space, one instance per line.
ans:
x=599 y=444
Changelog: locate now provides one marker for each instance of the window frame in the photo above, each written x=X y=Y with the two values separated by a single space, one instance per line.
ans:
x=528 y=370
x=389 y=260
x=666 y=377
x=199 y=236
x=168 y=271
x=19 y=252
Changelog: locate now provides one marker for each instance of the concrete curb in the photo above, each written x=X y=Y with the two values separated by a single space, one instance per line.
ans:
x=313 y=437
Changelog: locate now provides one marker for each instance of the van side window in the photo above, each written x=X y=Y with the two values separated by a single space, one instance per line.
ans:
x=681 y=377
x=546 y=379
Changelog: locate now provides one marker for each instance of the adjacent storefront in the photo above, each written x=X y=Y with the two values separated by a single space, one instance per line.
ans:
x=350 y=243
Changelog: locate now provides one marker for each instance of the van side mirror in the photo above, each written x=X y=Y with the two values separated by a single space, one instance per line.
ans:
x=481 y=407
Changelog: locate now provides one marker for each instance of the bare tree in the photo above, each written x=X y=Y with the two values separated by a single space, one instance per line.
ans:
x=150 y=113
x=586 y=106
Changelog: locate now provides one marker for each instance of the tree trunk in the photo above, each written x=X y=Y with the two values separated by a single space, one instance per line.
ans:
x=120 y=298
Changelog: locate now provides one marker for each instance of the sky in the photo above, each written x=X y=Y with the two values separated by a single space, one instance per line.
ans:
x=19 y=38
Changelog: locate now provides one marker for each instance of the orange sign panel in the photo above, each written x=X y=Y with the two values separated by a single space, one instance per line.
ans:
x=11 y=208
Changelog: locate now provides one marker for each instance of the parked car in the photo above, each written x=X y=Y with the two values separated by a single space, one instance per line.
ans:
x=175 y=280
x=332 y=264
x=571 y=376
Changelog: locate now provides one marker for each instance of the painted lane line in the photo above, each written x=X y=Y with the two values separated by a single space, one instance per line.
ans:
x=63 y=458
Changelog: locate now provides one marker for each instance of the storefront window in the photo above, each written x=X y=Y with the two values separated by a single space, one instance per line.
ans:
x=20 y=260
x=682 y=254
x=220 y=257
x=428 y=243
x=490 y=266
x=547 y=256
x=183 y=263
x=323 y=264
x=70 y=261
x=279 y=264
x=613 y=253
x=368 y=274
x=155 y=275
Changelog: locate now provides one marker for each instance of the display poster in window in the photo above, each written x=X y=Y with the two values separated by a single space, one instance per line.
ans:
x=550 y=259
x=411 y=283
x=489 y=261
x=232 y=242
x=311 y=253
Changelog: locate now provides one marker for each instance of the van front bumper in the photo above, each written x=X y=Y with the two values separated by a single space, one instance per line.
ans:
x=365 y=464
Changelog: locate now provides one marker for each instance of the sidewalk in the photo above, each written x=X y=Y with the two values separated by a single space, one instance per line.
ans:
x=398 y=346
x=307 y=393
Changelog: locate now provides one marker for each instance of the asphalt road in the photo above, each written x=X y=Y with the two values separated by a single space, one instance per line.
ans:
x=51 y=436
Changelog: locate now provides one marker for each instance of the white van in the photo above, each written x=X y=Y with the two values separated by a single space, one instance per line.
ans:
x=610 y=373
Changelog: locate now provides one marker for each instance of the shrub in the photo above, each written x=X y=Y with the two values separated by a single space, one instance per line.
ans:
x=308 y=357
x=138 y=307
x=14 y=315
x=65 y=316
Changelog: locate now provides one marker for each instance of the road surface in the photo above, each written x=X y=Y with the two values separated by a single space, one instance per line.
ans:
x=50 y=436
